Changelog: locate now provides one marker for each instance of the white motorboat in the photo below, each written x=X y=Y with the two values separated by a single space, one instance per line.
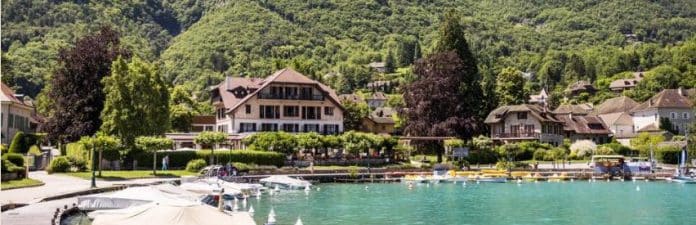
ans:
x=680 y=174
x=285 y=182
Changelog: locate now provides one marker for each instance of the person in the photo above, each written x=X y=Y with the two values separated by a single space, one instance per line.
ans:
x=165 y=162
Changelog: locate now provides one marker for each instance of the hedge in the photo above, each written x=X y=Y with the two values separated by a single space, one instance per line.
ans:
x=669 y=154
x=179 y=159
x=59 y=164
x=15 y=158
x=195 y=165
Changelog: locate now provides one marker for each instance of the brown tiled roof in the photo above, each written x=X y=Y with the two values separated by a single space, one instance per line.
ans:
x=615 y=105
x=580 y=86
x=619 y=118
x=584 y=124
x=667 y=98
x=649 y=128
x=378 y=96
x=255 y=85
x=381 y=120
x=203 y=120
x=580 y=109
x=383 y=112
x=538 y=98
x=350 y=97
x=535 y=110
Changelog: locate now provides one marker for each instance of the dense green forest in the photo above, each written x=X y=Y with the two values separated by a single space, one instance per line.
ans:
x=195 y=43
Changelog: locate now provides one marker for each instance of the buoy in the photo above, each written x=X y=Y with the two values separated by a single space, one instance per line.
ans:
x=634 y=179
x=244 y=203
x=572 y=180
x=519 y=181
x=478 y=182
x=427 y=185
x=318 y=188
x=251 y=210
x=299 y=221
x=637 y=188
x=277 y=188
x=367 y=188
x=607 y=179
x=410 y=185
x=307 y=188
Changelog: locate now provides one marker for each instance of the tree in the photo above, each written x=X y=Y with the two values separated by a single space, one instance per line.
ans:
x=441 y=102
x=389 y=64
x=575 y=69
x=657 y=79
x=646 y=143
x=309 y=141
x=18 y=144
x=153 y=144
x=354 y=113
x=181 y=109
x=76 y=86
x=102 y=142
x=666 y=124
x=212 y=138
x=356 y=142
x=330 y=142
x=510 y=87
x=452 y=38
x=136 y=101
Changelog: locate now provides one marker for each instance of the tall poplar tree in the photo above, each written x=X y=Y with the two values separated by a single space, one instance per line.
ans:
x=137 y=101
x=76 y=88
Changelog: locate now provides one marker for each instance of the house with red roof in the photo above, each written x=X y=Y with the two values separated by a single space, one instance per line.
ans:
x=16 y=114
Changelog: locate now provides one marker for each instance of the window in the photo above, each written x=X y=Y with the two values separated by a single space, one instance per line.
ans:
x=269 y=127
x=221 y=113
x=306 y=93
x=291 y=92
x=328 y=111
x=10 y=120
x=521 y=115
x=291 y=127
x=222 y=128
x=247 y=109
x=333 y=128
x=528 y=129
x=291 y=111
x=311 y=113
x=269 y=112
x=673 y=115
x=685 y=115
x=514 y=129
x=311 y=127
x=247 y=127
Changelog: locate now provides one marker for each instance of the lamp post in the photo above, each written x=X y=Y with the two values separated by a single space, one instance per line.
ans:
x=94 y=178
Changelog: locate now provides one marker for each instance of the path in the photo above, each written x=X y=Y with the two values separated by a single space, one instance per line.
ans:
x=57 y=184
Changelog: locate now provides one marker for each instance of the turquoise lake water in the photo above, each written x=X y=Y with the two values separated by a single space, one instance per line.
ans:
x=487 y=203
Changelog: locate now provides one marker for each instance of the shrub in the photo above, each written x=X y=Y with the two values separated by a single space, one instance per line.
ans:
x=668 y=154
x=539 y=154
x=18 y=144
x=620 y=149
x=9 y=167
x=15 y=158
x=603 y=150
x=583 y=148
x=195 y=165
x=59 y=164
x=243 y=167
x=78 y=163
x=34 y=150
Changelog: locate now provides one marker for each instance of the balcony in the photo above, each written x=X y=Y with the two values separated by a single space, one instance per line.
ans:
x=522 y=135
x=291 y=97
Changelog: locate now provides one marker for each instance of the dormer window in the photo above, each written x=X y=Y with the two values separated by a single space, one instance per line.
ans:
x=521 y=115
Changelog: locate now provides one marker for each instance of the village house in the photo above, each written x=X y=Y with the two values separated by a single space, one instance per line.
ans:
x=378 y=66
x=615 y=113
x=621 y=85
x=672 y=104
x=526 y=122
x=16 y=114
x=579 y=125
x=380 y=121
x=376 y=100
x=579 y=87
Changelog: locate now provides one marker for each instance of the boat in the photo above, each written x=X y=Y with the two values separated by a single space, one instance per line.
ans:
x=415 y=179
x=680 y=173
x=247 y=189
x=285 y=182
x=558 y=178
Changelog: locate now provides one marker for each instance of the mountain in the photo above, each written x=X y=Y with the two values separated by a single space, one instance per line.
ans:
x=199 y=42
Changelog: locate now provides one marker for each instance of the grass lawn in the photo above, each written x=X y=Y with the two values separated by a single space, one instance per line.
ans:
x=130 y=174
x=26 y=182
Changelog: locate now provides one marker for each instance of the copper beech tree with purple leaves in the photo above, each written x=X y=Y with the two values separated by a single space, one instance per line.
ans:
x=76 y=91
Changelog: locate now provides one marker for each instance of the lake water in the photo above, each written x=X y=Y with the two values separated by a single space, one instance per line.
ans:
x=578 y=202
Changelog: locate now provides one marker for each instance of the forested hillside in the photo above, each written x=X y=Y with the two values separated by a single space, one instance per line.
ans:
x=198 y=42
